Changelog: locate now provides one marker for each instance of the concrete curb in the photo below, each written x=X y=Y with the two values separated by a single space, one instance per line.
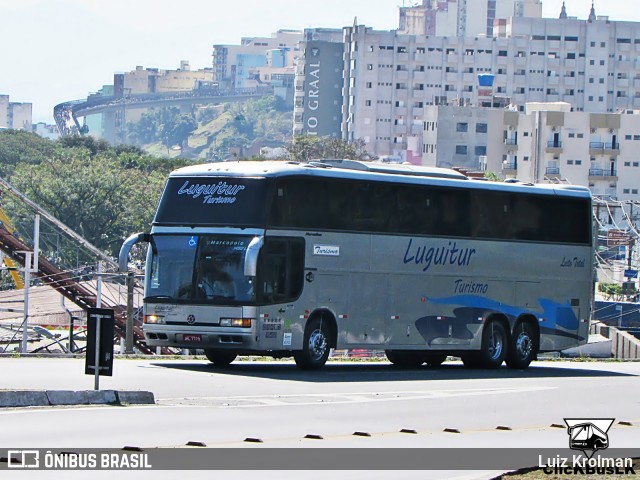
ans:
x=49 y=398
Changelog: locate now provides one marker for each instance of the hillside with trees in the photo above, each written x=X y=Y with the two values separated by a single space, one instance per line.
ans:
x=214 y=133
x=104 y=193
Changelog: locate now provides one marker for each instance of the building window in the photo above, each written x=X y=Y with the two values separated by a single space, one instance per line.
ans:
x=481 y=128
x=461 y=149
x=462 y=127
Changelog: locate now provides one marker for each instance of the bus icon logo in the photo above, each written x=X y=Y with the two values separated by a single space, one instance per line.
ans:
x=23 y=459
x=588 y=435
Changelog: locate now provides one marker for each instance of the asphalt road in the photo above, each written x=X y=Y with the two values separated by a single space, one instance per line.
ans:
x=345 y=405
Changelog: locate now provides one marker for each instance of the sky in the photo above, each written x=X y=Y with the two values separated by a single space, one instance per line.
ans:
x=52 y=51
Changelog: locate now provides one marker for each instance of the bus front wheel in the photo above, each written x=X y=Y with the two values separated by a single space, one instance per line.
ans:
x=522 y=349
x=315 y=348
x=220 y=358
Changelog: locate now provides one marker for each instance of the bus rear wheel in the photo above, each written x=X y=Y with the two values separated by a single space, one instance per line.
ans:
x=315 y=348
x=220 y=358
x=522 y=349
x=493 y=350
x=405 y=358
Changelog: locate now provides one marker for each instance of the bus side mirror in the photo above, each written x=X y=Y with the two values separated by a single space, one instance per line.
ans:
x=251 y=257
x=123 y=257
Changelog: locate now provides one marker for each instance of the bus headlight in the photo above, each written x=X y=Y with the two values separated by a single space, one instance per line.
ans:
x=154 y=319
x=235 y=322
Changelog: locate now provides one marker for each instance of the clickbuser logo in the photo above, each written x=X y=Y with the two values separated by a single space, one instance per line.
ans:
x=588 y=435
x=23 y=459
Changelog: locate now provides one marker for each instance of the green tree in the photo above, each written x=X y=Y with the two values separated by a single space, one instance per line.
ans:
x=96 y=196
x=145 y=130
x=19 y=147
x=305 y=148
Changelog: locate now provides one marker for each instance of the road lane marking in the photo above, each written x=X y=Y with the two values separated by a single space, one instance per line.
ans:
x=259 y=401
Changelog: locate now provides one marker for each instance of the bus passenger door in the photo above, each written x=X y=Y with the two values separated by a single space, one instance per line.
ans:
x=368 y=302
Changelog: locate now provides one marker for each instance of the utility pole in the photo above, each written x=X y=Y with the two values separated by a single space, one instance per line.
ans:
x=30 y=266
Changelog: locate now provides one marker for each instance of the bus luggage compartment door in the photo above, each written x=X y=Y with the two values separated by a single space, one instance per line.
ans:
x=368 y=304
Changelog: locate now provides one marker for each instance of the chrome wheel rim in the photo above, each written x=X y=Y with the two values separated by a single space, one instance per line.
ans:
x=495 y=344
x=317 y=344
x=524 y=345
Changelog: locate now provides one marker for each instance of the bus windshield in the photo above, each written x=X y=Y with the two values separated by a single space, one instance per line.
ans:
x=200 y=269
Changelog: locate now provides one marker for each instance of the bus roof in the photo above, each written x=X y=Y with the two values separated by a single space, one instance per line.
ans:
x=352 y=169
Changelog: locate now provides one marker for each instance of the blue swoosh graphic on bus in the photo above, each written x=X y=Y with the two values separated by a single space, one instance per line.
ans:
x=554 y=313
x=479 y=302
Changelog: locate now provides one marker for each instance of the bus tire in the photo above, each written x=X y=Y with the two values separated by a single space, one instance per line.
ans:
x=316 y=346
x=405 y=358
x=220 y=358
x=523 y=346
x=494 y=345
x=434 y=359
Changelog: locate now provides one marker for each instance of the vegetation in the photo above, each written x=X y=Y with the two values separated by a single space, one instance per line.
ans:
x=214 y=133
x=308 y=147
x=103 y=193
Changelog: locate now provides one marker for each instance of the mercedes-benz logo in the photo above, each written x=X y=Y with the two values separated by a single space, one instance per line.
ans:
x=191 y=319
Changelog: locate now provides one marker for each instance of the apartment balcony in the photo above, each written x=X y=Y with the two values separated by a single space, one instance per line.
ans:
x=569 y=81
x=509 y=167
x=469 y=77
x=402 y=75
x=604 y=148
x=601 y=174
x=552 y=172
x=510 y=145
x=451 y=76
x=554 y=147
x=622 y=82
x=520 y=79
x=553 y=62
x=553 y=80
x=570 y=63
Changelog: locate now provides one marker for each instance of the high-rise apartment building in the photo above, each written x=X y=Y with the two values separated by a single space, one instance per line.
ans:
x=548 y=142
x=15 y=115
x=389 y=77
x=462 y=17
x=236 y=66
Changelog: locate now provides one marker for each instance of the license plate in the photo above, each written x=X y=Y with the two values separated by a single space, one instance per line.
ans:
x=192 y=338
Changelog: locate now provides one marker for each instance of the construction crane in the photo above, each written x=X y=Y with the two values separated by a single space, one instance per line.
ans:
x=11 y=264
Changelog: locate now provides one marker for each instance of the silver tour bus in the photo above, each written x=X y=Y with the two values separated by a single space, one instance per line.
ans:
x=286 y=259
